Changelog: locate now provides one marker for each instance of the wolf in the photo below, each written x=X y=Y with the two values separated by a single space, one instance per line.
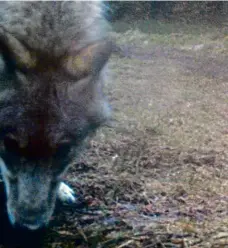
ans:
x=53 y=63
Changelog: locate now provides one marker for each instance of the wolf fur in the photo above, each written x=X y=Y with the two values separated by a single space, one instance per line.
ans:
x=53 y=59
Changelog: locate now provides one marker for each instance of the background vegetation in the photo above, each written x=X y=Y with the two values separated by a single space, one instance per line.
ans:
x=187 y=11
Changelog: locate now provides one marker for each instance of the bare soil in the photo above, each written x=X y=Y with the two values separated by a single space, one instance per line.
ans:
x=158 y=176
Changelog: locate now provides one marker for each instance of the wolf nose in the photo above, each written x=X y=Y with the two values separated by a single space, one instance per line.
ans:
x=30 y=222
x=29 y=214
x=30 y=227
x=31 y=218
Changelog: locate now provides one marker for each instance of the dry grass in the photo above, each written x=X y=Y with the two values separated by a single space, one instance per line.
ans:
x=159 y=177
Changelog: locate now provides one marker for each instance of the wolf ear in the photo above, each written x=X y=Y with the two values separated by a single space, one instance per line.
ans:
x=89 y=60
x=12 y=48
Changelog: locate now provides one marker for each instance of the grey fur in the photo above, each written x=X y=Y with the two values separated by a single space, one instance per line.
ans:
x=46 y=111
x=41 y=25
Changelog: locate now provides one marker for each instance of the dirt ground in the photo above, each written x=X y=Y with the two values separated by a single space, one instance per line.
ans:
x=158 y=175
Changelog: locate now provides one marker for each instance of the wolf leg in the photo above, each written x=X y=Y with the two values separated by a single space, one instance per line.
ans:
x=66 y=194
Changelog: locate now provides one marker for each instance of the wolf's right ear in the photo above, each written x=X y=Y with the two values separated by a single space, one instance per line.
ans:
x=89 y=60
x=12 y=48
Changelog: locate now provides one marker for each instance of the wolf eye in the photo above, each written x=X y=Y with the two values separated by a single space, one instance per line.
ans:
x=11 y=144
x=2 y=64
x=63 y=148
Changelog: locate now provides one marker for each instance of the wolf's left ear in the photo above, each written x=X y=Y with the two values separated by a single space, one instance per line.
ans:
x=89 y=60
x=13 y=48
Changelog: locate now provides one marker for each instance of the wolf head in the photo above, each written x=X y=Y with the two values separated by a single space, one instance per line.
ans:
x=52 y=64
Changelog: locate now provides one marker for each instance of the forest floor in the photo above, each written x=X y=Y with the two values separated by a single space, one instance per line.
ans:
x=158 y=176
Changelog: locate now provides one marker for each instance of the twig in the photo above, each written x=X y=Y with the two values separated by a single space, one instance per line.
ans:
x=125 y=244
x=80 y=231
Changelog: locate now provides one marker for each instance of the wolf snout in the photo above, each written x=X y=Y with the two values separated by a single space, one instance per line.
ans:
x=30 y=222
x=29 y=218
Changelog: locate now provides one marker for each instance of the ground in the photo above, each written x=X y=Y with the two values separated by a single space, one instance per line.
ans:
x=157 y=175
